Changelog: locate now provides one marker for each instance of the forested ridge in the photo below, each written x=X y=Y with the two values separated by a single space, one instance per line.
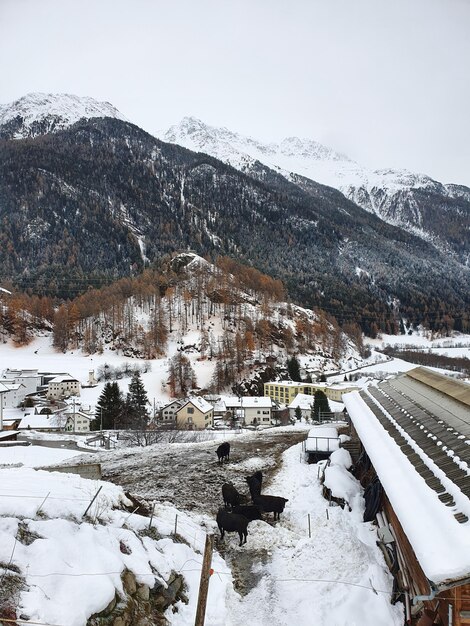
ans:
x=104 y=199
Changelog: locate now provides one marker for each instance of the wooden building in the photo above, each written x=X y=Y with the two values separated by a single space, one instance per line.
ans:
x=415 y=432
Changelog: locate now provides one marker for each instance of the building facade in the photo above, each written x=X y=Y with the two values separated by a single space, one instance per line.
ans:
x=195 y=414
x=284 y=391
x=62 y=387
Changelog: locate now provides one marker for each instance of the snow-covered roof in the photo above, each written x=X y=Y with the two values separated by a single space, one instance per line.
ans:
x=40 y=421
x=232 y=402
x=71 y=414
x=63 y=379
x=302 y=400
x=3 y=388
x=253 y=402
x=5 y=434
x=285 y=383
x=11 y=385
x=200 y=403
x=423 y=463
x=220 y=405
x=176 y=403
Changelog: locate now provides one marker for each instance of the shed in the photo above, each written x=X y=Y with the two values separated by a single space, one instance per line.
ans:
x=320 y=443
x=415 y=430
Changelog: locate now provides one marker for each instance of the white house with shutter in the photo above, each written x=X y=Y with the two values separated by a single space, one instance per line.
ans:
x=251 y=410
x=78 y=422
x=168 y=412
x=62 y=387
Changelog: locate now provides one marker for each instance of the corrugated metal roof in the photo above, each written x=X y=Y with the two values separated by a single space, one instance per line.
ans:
x=456 y=389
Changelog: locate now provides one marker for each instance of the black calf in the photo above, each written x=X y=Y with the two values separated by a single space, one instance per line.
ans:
x=232 y=523
x=230 y=495
x=223 y=452
x=251 y=512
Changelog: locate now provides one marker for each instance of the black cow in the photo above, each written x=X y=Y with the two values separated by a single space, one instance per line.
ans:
x=230 y=495
x=267 y=504
x=223 y=452
x=232 y=523
x=254 y=485
x=270 y=504
x=251 y=512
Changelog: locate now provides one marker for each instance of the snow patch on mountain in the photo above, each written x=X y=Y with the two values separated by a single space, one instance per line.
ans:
x=387 y=193
x=41 y=113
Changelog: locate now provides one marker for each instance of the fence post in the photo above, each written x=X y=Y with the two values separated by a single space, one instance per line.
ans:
x=42 y=503
x=204 y=584
x=176 y=523
x=94 y=498
x=309 y=530
x=151 y=516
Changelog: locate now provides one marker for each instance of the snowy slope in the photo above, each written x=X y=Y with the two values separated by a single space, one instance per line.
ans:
x=41 y=113
x=388 y=193
x=292 y=155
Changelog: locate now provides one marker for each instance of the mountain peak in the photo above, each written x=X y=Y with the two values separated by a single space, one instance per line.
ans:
x=40 y=113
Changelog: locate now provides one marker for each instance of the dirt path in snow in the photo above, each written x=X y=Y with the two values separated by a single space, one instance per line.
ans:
x=189 y=477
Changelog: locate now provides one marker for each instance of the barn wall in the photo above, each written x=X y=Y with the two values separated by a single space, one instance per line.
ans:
x=458 y=597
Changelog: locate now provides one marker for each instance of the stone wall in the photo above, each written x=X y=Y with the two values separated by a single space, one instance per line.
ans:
x=141 y=605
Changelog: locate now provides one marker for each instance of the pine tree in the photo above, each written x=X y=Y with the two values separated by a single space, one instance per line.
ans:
x=298 y=413
x=293 y=367
x=136 y=406
x=109 y=408
x=320 y=404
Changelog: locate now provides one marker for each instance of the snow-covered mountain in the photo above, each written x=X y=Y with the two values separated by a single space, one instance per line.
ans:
x=41 y=113
x=399 y=197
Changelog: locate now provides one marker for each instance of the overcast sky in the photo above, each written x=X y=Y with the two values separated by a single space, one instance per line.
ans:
x=385 y=81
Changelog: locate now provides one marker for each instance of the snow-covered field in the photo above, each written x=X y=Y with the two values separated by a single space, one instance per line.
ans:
x=42 y=356
x=35 y=456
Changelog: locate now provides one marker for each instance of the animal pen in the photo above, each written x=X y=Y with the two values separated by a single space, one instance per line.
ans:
x=320 y=443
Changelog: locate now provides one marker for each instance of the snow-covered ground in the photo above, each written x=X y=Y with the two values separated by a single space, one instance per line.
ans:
x=42 y=356
x=423 y=340
x=35 y=456
x=333 y=578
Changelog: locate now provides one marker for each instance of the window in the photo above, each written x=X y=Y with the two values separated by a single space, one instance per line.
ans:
x=190 y=410
x=258 y=412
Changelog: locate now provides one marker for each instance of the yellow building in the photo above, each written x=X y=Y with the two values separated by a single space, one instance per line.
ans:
x=195 y=414
x=284 y=391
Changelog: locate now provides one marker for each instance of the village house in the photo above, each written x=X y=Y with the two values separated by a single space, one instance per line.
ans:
x=195 y=414
x=305 y=403
x=77 y=421
x=415 y=433
x=30 y=379
x=62 y=387
x=14 y=395
x=250 y=410
x=168 y=412
x=44 y=422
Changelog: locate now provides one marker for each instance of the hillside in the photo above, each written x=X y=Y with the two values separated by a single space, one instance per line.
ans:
x=102 y=199
x=200 y=325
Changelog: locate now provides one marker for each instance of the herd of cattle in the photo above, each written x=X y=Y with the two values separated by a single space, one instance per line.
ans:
x=235 y=517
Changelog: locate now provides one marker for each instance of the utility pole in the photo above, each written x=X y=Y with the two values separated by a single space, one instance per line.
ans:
x=206 y=573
